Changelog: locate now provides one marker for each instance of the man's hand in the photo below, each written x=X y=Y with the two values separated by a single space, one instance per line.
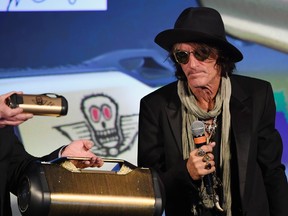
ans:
x=81 y=148
x=10 y=116
x=197 y=164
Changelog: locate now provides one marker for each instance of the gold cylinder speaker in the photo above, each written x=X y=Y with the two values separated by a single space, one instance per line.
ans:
x=51 y=189
x=41 y=104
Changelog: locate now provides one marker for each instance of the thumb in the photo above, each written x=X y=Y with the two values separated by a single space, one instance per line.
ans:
x=88 y=144
x=212 y=144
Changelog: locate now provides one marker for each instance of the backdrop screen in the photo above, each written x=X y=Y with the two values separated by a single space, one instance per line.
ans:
x=102 y=53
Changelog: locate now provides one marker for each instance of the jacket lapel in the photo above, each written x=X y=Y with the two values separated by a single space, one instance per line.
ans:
x=173 y=110
x=240 y=107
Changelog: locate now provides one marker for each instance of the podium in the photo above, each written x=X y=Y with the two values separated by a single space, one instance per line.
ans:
x=50 y=189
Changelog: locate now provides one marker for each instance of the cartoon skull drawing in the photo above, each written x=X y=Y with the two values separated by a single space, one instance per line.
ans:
x=111 y=132
x=101 y=113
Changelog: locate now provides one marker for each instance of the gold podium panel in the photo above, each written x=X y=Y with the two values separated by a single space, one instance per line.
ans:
x=53 y=190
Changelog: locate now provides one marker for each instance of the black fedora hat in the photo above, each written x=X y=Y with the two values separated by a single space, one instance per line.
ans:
x=202 y=25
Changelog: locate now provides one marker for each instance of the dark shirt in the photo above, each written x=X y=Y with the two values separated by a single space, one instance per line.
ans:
x=236 y=205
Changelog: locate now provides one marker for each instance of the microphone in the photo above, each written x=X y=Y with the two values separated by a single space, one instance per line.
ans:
x=198 y=132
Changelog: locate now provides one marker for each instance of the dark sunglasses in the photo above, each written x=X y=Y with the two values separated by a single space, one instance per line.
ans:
x=200 y=53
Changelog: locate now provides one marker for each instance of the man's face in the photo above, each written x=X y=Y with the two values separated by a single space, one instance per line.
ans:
x=201 y=69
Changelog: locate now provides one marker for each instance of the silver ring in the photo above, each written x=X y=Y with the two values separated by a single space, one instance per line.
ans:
x=208 y=166
x=206 y=158
x=201 y=152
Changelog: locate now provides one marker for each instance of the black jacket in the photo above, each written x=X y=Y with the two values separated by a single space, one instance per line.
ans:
x=13 y=162
x=262 y=181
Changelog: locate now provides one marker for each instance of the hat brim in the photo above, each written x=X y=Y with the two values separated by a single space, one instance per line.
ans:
x=166 y=39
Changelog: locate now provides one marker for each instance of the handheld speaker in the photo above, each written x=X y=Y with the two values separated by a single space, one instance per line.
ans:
x=50 y=189
x=42 y=104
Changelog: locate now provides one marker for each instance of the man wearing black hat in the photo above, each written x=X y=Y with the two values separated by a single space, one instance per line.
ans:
x=239 y=171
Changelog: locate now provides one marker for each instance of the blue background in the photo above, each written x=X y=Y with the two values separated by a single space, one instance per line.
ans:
x=41 y=40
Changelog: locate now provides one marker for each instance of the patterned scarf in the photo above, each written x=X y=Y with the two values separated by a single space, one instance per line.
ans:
x=191 y=112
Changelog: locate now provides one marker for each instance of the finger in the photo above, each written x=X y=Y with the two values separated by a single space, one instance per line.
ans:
x=8 y=112
x=18 y=118
x=95 y=162
x=211 y=156
x=12 y=123
x=88 y=144
x=15 y=111
x=207 y=148
x=212 y=144
x=201 y=152
x=25 y=116
x=19 y=92
x=206 y=158
x=208 y=165
x=6 y=95
x=22 y=116
x=99 y=162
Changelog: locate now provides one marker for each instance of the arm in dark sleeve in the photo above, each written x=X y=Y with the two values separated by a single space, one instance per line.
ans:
x=19 y=159
x=270 y=150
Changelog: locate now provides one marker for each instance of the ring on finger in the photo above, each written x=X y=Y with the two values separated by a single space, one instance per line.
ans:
x=208 y=166
x=201 y=152
x=206 y=158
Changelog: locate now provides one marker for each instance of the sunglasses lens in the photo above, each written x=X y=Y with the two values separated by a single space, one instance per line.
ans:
x=182 y=57
x=202 y=53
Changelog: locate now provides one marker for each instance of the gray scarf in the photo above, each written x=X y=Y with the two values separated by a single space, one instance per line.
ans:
x=191 y=112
